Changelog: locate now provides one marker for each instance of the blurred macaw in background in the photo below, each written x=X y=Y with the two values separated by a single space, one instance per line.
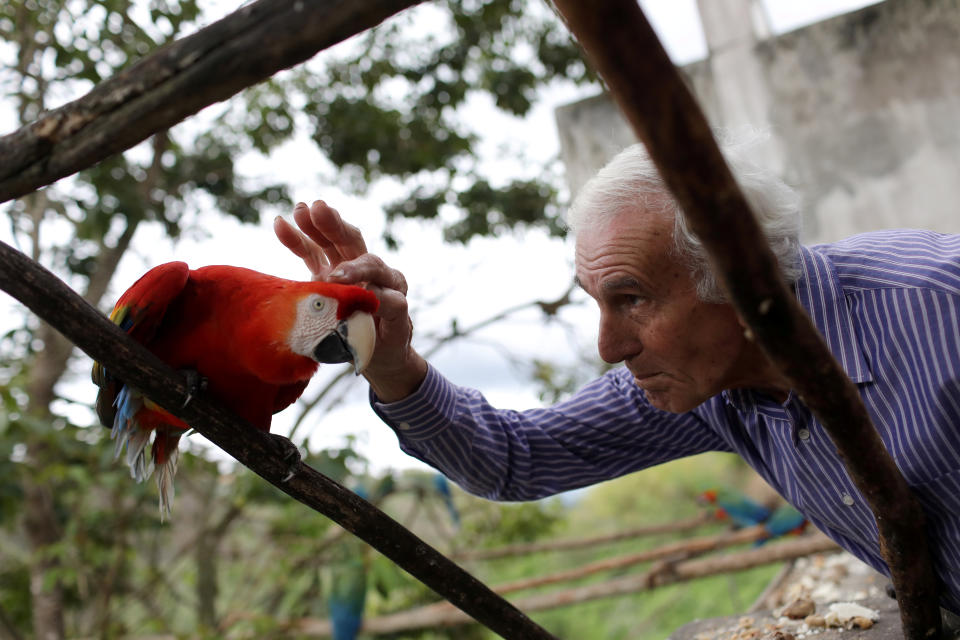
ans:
x=785 y=520
x=742 y=510
x=442 y=487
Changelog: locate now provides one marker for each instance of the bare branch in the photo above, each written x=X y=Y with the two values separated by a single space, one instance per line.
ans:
x=580 y=543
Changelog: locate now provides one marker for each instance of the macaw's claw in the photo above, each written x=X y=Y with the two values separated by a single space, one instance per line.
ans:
x=289 y=453
x=196 y=384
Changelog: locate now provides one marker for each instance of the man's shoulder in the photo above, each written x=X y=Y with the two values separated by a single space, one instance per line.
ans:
x=896 y=258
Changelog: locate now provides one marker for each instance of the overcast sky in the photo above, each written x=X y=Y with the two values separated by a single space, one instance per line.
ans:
x=474 y=282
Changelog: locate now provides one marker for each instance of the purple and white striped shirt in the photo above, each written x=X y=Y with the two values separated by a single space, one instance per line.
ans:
x=887 y=304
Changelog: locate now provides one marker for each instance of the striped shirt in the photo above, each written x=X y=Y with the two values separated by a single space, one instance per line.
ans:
x=888 y=306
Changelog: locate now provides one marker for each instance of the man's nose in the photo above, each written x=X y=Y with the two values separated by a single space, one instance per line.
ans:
x=615 y=342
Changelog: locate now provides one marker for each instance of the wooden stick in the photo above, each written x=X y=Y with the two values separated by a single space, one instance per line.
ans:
x=178 y=80
x=658 y=104
x=580 y=543
x=78 y=321
x=682 y=549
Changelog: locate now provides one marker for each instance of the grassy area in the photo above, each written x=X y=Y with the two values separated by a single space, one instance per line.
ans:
x=663 y=494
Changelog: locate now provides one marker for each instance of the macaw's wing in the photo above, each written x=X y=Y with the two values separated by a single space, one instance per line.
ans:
x=785 y=520
x=139 y=312
x=741 y=509
x=288 y=394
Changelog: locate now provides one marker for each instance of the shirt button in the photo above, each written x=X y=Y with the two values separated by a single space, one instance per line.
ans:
x=847 y=499
x=803 y=434
x=403 y=425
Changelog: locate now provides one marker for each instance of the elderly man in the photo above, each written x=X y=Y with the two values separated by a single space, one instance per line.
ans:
x=886 y=303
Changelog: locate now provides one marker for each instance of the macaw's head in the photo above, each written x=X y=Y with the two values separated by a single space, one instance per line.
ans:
x=334 y=323
x=708 y=497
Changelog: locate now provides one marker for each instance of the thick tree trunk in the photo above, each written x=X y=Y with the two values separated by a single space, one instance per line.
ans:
x=205 y=553
x=43 y=531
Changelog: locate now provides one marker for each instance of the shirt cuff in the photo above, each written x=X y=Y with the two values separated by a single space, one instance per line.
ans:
x=425 y=412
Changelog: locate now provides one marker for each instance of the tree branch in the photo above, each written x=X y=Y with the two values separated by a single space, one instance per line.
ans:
x=681 y=549
x=55 y=302
x=246 y=47
x=663 y=112
x=580 y=543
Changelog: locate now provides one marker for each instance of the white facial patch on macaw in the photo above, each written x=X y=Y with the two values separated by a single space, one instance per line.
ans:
x=316 y=319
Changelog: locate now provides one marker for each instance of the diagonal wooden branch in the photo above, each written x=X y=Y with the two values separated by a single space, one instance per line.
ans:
x=62 y=308
x=178 y=80
x=663 y=112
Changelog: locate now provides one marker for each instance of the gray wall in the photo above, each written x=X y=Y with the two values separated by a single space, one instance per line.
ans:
x=863 y=111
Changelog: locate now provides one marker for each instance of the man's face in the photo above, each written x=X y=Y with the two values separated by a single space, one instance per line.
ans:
x=681 y=351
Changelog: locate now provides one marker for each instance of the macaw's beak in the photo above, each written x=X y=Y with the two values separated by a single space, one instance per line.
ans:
x=353 y=341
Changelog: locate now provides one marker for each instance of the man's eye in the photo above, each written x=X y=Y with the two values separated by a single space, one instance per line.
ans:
x=633 y=300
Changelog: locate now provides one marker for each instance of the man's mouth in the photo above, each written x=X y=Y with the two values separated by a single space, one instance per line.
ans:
x=640 y=378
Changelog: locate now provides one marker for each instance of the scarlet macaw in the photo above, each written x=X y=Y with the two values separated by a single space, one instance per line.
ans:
x=743 y=511
x=254 y=340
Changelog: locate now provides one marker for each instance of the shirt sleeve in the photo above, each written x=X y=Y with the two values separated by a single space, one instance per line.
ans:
x=605 y=430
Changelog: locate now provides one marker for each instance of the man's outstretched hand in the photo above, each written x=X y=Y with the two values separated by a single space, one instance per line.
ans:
x=335 y=251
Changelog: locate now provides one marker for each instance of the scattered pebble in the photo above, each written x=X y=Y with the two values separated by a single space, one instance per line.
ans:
x=843 y=614
x=798 y=609
x=815 y=621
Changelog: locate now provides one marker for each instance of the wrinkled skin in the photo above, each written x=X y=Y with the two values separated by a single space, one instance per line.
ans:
x=680 y=350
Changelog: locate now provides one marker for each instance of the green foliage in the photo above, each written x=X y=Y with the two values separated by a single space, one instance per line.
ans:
x=492 y=525
x=389 y=109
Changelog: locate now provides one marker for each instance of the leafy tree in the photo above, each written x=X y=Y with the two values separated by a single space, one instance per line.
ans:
x=82 y=228
x=383 y=107
x=389 y=109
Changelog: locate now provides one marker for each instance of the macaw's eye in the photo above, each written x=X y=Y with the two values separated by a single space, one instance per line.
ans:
x=319 y=305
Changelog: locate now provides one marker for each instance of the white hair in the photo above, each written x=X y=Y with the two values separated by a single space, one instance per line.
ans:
x=631 y=181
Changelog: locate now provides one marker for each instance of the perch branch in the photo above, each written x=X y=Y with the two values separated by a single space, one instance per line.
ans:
x=666 y=117
x=78 y=321
x=178 y=80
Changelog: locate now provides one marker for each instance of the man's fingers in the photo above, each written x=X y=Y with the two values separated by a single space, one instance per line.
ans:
x=343 y=237
x=301 y=247
x=370 y=269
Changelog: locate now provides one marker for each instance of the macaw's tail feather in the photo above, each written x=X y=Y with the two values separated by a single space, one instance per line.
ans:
x=136 y=421
x=165 y=457
x=129 y=433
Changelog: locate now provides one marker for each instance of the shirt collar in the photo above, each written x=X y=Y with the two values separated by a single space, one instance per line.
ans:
x=819 y=292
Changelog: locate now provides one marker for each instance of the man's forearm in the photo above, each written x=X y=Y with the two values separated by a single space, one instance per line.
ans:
x=395 y=383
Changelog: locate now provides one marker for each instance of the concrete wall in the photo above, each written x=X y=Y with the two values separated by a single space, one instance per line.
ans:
x=863 y=111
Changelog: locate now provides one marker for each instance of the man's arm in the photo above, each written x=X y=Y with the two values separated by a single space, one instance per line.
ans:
x=605 y=430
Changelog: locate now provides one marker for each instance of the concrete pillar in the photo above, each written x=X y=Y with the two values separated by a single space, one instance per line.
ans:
x=732 y=29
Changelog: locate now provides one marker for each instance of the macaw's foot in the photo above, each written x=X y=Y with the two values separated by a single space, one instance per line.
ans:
x=196 y=384
x=289 y=454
